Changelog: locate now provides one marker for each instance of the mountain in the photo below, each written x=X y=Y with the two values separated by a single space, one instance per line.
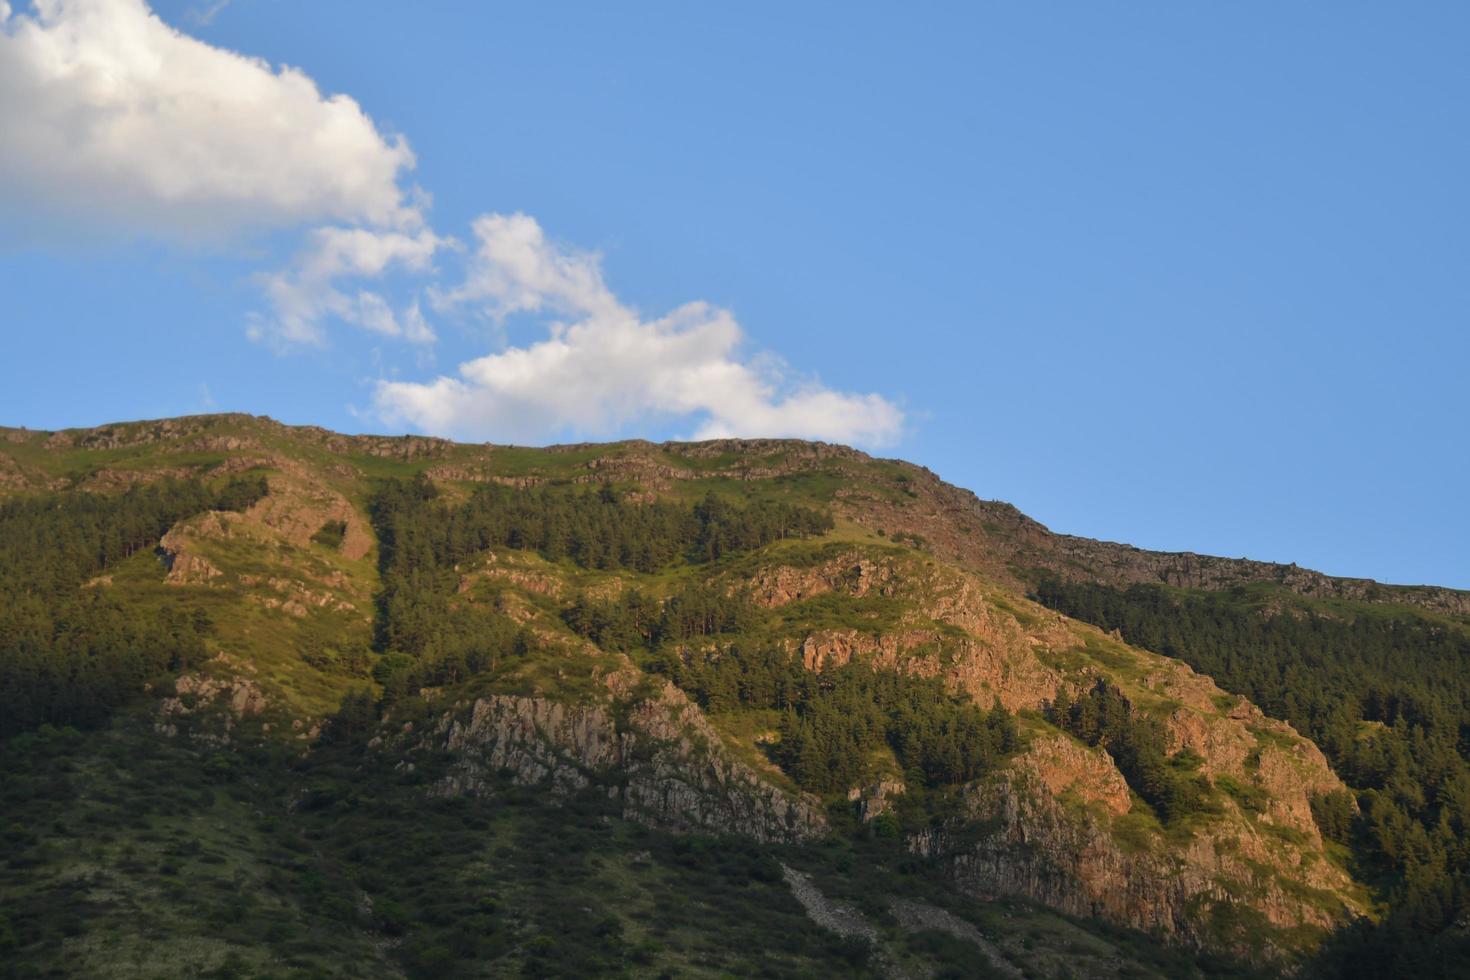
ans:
x=282 y=702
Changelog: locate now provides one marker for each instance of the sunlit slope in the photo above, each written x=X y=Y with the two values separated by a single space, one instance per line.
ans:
x=1201 y=832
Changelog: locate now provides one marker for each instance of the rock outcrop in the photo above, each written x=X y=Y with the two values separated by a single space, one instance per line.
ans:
x=298 y=509
x=1057 y=827
x=851 y=573
x=211 y=704
x=658 y=754
x=264 y=531
x=186 y=566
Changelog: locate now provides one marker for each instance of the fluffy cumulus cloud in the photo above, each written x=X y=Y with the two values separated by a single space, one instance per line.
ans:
x=112 y=120
x=602 y=366
x=108 y=116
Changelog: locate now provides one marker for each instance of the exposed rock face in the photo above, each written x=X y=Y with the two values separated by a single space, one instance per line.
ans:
x=297 y=598
x=185 y=565
x=827 y=649
x=853 y=574
x=298 y=509
x=1050 y=832
x=493 y=569
x=399 y=447
x=539 y=740
x=120 y=435
x=187 y=569
x=664 y=760
x=953 y=631
x=1065 y=766
x=986 y=669
x=185 y=550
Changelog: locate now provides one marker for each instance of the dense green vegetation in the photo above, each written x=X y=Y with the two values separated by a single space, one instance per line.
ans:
x=249 y=862
x=596 y=529
x=1386 y=694
x=423 y=539
x=831 y=722
x=254 y=856
x=1103 y=715
x=69 y=655
x=637 y=620
x=132 y=855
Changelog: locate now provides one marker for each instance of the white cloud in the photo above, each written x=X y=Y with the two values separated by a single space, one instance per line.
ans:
x=515 y=270
x=111 y=118
x=306 y=295
x=606 y=367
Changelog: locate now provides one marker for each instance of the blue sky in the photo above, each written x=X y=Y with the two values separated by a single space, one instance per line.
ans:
x=1191 y=276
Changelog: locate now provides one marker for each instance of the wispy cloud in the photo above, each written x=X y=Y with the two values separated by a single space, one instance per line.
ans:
x=304 y=297
x=204 y=14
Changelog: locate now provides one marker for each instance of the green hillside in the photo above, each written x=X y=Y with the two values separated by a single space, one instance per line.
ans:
x=281 y=702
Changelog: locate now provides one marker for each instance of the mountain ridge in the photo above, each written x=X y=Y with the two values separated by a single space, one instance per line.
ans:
x=1112 y=562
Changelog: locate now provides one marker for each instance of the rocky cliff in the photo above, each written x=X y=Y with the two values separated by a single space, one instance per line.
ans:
x=656 y=754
